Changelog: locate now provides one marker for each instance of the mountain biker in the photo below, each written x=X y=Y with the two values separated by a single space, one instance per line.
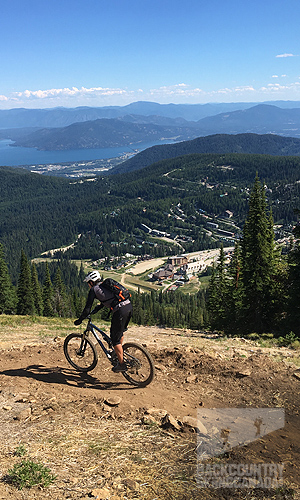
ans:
x=121 y=314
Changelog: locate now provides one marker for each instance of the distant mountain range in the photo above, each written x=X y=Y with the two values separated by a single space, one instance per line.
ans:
x=62 y=117
x=260 y=119
x=268 y=144
x=134 y=128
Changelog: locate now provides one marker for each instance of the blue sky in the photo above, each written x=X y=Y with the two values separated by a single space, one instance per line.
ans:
x=113 y=52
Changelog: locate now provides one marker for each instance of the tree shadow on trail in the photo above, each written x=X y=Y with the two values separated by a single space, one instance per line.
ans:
x=65 y=376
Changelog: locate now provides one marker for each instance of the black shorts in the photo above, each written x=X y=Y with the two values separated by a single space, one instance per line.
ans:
x=119 y=323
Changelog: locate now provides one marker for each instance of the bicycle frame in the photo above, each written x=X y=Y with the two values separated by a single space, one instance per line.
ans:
x=94 y=329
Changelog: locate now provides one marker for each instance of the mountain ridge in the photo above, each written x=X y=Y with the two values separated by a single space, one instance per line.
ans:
x=268 y=144
x=61 y=117
x=132 y=128
x=102 y=133
x=262 y=118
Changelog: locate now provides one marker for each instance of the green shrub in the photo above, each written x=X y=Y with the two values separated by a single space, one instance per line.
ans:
x=29 y=473
x=287 y=340
x=253 y=336
x=20 y=451
x=295 y=344
x=267 y=336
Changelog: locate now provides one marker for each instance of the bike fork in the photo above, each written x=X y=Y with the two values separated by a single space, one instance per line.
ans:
x=83 y=344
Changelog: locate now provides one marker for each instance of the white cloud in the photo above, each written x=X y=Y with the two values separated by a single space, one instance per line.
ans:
x=276 y=87
x=177 y=93
x=69 y=97
x=286 y=55
x=68 y=92
x=180 y=89
x=245 y=88
x=222 y=91
x=277 y=76
x=234 y=90
x=184 y=93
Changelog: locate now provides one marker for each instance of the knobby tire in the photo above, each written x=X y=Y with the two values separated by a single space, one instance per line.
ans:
x=141 y=369
x=84 y=361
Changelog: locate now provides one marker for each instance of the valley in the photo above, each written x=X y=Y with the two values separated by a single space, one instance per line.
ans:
x=179 y=205
x=137 y=274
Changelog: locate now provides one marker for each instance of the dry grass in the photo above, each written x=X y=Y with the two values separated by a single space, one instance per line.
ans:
x=127 y=458
x=28 y=330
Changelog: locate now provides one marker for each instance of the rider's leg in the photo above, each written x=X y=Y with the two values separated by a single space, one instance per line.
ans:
x=119 y=350
x=119 y=323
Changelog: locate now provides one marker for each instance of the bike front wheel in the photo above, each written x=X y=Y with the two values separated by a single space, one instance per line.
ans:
x=140 y=371
x=80 y=352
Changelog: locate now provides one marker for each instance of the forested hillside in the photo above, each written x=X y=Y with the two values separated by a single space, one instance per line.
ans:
x=260 y=119
x=268 y=144
x=103 y=133
x=39 y=213
x=180 y=205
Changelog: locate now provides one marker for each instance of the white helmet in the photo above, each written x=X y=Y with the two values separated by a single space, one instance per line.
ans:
x=93 y=276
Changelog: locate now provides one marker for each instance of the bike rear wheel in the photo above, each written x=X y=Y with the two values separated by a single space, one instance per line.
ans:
x=80 y=352
x=141 y=369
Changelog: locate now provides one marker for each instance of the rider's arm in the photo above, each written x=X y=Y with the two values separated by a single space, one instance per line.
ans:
x=97 y=308
x=88 y=306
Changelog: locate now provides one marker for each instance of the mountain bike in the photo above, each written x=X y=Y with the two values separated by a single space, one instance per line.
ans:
x=81 y=353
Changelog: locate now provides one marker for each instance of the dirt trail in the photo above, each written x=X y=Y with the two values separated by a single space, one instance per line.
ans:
x=64 y=418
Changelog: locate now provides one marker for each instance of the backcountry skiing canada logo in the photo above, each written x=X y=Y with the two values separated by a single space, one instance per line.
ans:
x=222 y=429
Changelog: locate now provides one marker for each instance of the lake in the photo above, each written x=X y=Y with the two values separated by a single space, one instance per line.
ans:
x=16 y=156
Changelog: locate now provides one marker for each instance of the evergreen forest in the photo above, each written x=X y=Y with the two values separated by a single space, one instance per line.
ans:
x=39 y=213
x=102 y=217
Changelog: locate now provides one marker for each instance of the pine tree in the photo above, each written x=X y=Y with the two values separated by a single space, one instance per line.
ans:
x=7 y=292
x=258 y=264
x=47 y=294
x=25 y=300
x=235 y=290
x=77 y=302
x=81 y=274
x=37 y=293
x=293 y=303
x=61 y=304
x=218 y=294
x=138 y=311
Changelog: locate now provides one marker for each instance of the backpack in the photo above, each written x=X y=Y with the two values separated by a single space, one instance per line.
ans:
x=120 y=292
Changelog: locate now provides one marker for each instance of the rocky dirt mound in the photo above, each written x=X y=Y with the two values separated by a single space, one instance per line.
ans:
x=105 y=439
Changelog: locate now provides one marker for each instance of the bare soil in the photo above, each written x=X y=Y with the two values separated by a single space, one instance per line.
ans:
x=101 y=448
